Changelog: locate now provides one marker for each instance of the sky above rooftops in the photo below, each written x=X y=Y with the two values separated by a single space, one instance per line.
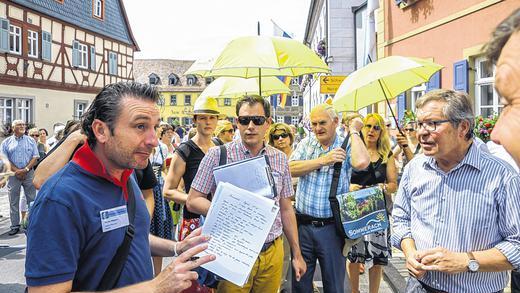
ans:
x=199 y=29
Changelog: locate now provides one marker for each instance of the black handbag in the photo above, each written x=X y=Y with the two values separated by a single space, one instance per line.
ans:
x=113 y=272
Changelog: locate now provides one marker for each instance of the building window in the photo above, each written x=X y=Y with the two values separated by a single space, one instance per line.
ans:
x=98 y=8
x=191 y=80
x=187 y=100
x=173 y=100
x=173 y=79
x=6 y=110
x=487 y=99
x=227 y=101
x=279 y=119
x=79 y=55
x=33 y=44
x=295 y=101
x=15 y=39
x=416 y=93
x=294 y=120
x=153 y=79
x=79 y=108
x=23 y=109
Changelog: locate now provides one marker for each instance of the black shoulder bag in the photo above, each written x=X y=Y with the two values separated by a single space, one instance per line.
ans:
x=334 y=203
x=113 y=272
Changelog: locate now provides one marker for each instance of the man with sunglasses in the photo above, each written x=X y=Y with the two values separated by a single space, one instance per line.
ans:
x=312 y=161
x=253 y=122
x=456 y=212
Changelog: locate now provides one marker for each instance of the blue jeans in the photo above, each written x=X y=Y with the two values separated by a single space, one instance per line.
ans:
x=325 y=245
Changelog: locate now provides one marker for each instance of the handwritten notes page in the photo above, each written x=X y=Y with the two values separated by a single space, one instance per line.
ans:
x=250 y=174
x=238 y=222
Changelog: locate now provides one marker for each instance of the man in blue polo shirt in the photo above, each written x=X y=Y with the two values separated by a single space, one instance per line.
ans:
x=69 y=243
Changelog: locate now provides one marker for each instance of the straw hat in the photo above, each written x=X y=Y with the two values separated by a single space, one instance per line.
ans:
x=207 y=106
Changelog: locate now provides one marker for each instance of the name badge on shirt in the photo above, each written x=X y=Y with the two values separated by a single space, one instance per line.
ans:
x=114 y=218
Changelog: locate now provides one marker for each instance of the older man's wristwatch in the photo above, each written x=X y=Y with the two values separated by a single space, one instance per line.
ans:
x=473 y=264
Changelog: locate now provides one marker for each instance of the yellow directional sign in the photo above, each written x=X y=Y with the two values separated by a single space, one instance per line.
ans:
x=330 y=84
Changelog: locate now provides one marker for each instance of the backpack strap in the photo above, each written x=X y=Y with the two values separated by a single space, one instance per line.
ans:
x=334 y=203
x=113 y=272
x=223 y=155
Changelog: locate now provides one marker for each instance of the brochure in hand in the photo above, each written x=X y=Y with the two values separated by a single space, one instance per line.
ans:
x=363 y=212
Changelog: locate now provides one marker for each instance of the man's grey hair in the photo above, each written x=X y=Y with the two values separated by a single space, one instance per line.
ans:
x=16 y=122
x=501 y=35
x=457 y=109
x=327 y=108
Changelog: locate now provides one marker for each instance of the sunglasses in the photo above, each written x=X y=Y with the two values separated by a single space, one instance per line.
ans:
x=257 y=120
x=35 y=135
x=277 y=136
x=229 y=130
x=376 y=127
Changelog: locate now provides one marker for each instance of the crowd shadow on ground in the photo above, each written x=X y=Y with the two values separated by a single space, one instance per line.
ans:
x=12 y=288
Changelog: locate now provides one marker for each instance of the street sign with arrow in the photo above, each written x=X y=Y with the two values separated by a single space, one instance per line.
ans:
x=330 y=84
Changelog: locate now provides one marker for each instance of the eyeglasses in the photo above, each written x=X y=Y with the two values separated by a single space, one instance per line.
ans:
x=277 y=136
x=35 y=135
x=257 y=120
x=431 y=125
x=376 y=127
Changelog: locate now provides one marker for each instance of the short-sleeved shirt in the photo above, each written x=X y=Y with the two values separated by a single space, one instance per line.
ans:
x=65 y=240
x=190 y=153
x=204 y=181
x=20 y=150
x=312 y=192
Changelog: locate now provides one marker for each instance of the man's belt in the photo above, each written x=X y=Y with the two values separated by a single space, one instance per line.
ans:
x=303 y=219
x=268 y=245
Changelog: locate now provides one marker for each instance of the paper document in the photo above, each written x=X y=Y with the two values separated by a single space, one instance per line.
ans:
x=238 y=222
x=252 y=175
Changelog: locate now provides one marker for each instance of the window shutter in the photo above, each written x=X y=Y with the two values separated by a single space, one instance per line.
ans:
x=46 y=46
x=434 y=82
x=112 y=63
x=75 y=53
x=401 y=106
x=4 y=35
x=93 y=58
x=460 y=76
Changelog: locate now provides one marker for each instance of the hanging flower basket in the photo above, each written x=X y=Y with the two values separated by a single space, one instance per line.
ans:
x=484 y=127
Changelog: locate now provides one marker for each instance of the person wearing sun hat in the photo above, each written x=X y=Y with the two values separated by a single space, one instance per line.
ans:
x=185 y=163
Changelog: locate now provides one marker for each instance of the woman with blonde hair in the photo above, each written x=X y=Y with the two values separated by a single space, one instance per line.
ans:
x=375 y=249
x=281 y=137
x=224 y=132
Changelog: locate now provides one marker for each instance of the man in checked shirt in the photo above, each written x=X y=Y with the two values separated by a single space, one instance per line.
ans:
x=253 y=121
x=456 y=213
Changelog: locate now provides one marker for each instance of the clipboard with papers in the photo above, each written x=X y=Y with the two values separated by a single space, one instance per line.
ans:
x=252 y=174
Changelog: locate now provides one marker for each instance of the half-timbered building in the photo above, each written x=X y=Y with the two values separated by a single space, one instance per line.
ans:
x=55 y=55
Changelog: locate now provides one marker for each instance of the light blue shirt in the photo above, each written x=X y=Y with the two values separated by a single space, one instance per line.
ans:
x=473 y=207
x=19 y=150
x=312 y=192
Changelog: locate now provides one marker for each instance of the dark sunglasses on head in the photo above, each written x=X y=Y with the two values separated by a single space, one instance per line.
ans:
x=277 y=136
x=257 y=120
x=376 y=127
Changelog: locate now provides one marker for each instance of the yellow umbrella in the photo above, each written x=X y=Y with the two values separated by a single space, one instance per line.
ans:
x=258 y=56
x=232 y=87
x=382 y=80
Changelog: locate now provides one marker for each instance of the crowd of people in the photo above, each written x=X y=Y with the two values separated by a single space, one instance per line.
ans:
x=120 y=190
